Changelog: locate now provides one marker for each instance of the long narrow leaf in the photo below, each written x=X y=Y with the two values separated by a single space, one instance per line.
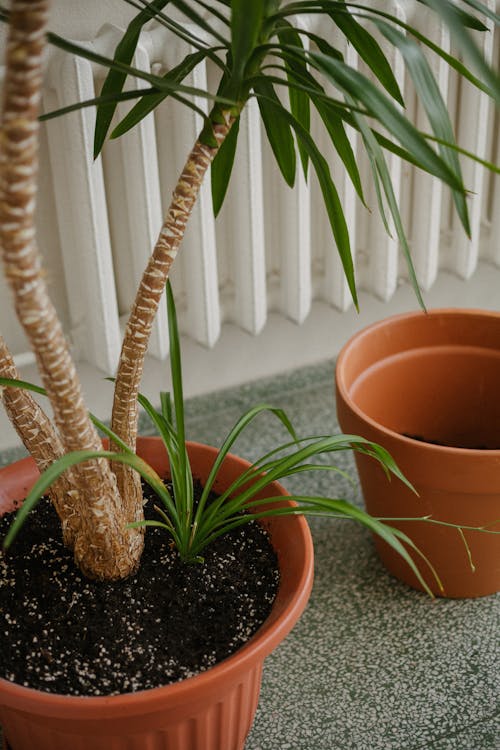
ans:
x=199 y=22
x=330 y=196
x=335 y=128
x=299 y=100
x=370 y=51
x=184 y=490
x=246 y=24
x=222 y=167
x=484 y=9
x=376 y=155
x=361 y=89
x=430 y=96
x=97 y=100
x=150 y=102
x=115 y=79
x=451 y=16
x=234 y=433
x=277 y=128
x=156 y=81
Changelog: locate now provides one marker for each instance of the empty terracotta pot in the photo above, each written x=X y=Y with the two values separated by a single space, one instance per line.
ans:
x=426 y=386
x=211 y=711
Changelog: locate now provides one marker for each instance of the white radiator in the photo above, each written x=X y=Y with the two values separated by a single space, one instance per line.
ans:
x=270 y=249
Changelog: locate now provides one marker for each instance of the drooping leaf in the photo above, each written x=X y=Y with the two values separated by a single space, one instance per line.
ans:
x=198 y=20
x=59 y=466
x=149 y=103
x=369 y=50
x=362 y=90
x=277 y=128
x=335 y=127
x=448 y=12
x=222 y=167
x=331 y=198
x=429 y=94
x=483 y=8
x=299 y=100
x=115 y=79
x=466 y=19
x=381 y=171
x=322 y=44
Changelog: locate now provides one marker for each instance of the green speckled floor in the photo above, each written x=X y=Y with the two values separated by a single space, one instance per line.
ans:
x=372 y=665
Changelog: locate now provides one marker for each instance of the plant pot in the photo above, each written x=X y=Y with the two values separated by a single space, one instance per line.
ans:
x=434 y=375
x=211 y=711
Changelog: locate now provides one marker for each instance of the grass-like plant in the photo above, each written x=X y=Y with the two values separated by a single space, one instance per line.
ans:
x=193 y=526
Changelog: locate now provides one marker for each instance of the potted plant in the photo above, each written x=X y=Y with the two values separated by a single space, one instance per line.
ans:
x=215 y=706
x=258 y=46
x=426 y=387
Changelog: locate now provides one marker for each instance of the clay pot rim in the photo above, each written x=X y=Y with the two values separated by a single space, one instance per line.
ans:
x=416 y=445
x=265 y=640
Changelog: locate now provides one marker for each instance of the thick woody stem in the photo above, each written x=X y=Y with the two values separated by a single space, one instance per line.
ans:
x=138 y=330
x=42 y=442
x=104 y=548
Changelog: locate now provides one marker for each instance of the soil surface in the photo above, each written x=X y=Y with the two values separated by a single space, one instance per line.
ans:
x=65 y=634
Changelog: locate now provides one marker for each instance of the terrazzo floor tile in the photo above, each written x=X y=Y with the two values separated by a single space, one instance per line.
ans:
x=372 y=664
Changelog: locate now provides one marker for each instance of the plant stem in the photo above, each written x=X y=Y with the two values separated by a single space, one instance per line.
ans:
x=103 y=547
x=41 y=440
x=138 y=329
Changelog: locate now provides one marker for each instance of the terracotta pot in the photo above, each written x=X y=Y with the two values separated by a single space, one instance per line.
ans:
x=437 y=376
x=212 y=711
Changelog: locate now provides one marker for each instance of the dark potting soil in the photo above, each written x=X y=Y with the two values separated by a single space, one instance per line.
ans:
x=62 y=633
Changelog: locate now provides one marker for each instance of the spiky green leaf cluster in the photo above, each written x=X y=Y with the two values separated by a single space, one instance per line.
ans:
x=264 y=49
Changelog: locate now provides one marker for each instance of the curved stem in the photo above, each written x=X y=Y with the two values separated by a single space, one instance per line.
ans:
x=42 y=442
x=138 y=329
x=104 y=548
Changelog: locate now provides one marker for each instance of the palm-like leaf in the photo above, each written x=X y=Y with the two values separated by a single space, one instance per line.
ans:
x=266 y=34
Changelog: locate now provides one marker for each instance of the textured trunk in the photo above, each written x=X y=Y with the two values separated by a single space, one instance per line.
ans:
x=103 y=547
x=138 y=330
x=42 y=442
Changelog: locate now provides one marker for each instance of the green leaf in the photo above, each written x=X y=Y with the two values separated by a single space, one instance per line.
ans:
x=370 y=13
x=299 y=100
x=448 y=12
x=222 y=166
x=369 y=50
x=150 y=102
x=115 y=79
x=277 y=128
x=323 y=46
x=26 y=386
x=484 y=9
x=466 y=19
x=428 y=91
x=246 y=25
x=156 y=81
x=334 y=125
x=380 y=169
x=184 y=490
x=198 y=20
x=361 y=89
x=235 y=432
x=97 y=100
x=329 y=191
